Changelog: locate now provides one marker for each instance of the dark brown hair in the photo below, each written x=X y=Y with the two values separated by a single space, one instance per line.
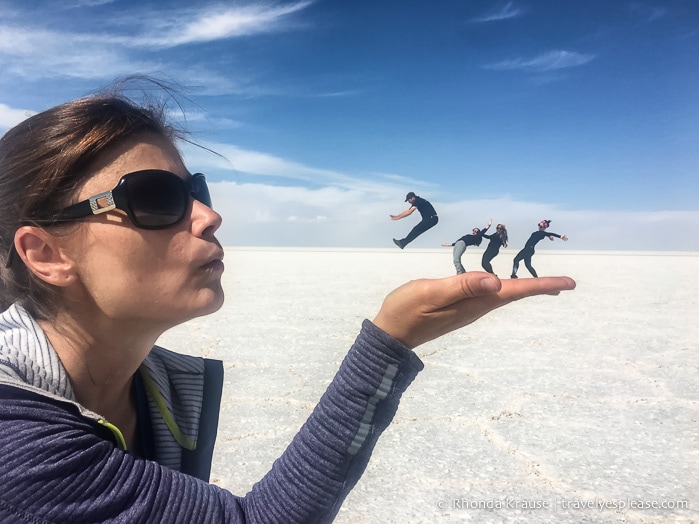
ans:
x=502 y=233
x=43 y=162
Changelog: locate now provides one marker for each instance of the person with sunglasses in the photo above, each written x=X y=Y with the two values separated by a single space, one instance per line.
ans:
x=473 y=239
x=528 y=250
x=496 y=240
x=106 y=241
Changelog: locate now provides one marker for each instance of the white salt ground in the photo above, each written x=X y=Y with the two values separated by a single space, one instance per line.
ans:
x=577 y=408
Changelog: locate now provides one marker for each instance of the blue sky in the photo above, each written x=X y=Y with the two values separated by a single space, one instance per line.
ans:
x=583 y=111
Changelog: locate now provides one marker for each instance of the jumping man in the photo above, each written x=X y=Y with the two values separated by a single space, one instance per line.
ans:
x=429 y=218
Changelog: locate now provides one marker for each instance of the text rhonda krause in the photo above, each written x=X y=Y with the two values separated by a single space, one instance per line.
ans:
x=562 y=504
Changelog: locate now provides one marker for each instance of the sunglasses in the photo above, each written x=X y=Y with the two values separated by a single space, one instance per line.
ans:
x=152 y=199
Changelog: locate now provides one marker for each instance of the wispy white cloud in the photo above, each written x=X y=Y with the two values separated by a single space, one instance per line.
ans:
x=338 y=94
x=258 y=163
x=216 y=24
x=38 y=53
x=401 y=179
x=236 y=160
x=88 y=3
x=315 y=219
x=551 y=61
x=264 y=215
x=209 y=82
x=199 y=116
x=502 y=12
x=10 y=117
x=35 y=52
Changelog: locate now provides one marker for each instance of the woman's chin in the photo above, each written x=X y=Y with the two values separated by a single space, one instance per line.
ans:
x=205 y=304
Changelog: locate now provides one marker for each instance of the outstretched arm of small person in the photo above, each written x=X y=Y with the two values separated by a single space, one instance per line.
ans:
x=403 y=214
x=425 y=309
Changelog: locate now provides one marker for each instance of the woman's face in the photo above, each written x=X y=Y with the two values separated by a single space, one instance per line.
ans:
x=158 y=277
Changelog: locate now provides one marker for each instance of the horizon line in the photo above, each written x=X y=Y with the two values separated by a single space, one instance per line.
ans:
x=576 y=252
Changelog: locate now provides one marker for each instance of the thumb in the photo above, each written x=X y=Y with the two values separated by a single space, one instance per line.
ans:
x=475 y=284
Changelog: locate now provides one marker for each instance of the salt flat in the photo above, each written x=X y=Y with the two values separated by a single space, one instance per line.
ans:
x=553 y=409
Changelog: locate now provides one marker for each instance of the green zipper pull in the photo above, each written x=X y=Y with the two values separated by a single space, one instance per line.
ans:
x=121 y=442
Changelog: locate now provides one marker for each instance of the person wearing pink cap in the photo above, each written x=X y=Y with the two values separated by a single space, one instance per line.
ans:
x=527 y=251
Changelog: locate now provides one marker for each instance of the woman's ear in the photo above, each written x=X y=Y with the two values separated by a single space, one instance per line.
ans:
x=41 y=253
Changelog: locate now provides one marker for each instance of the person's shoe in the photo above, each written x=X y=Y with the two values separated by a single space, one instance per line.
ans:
x=513 y=276
x=398 y=243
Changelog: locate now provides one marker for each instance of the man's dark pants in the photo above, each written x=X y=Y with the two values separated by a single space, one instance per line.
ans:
x=419 y=229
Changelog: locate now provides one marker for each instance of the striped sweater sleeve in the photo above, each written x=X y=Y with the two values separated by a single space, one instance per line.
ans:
x=58 y=467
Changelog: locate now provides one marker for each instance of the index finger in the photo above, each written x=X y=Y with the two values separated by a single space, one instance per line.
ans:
x=517 y=289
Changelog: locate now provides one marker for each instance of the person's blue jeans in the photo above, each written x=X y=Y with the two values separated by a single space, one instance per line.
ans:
x=459 y=249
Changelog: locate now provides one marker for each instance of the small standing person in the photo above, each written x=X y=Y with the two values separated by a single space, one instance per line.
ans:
x=527 y=251
x=497 y=239
x=474 y=239
x=429 y=218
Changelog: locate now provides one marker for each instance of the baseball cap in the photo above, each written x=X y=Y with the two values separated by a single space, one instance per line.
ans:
x=409 y=196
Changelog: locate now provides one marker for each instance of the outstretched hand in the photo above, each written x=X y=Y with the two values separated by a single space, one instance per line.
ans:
x=425 y=309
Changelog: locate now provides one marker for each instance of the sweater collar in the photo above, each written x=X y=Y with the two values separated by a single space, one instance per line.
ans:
x=27 y=356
